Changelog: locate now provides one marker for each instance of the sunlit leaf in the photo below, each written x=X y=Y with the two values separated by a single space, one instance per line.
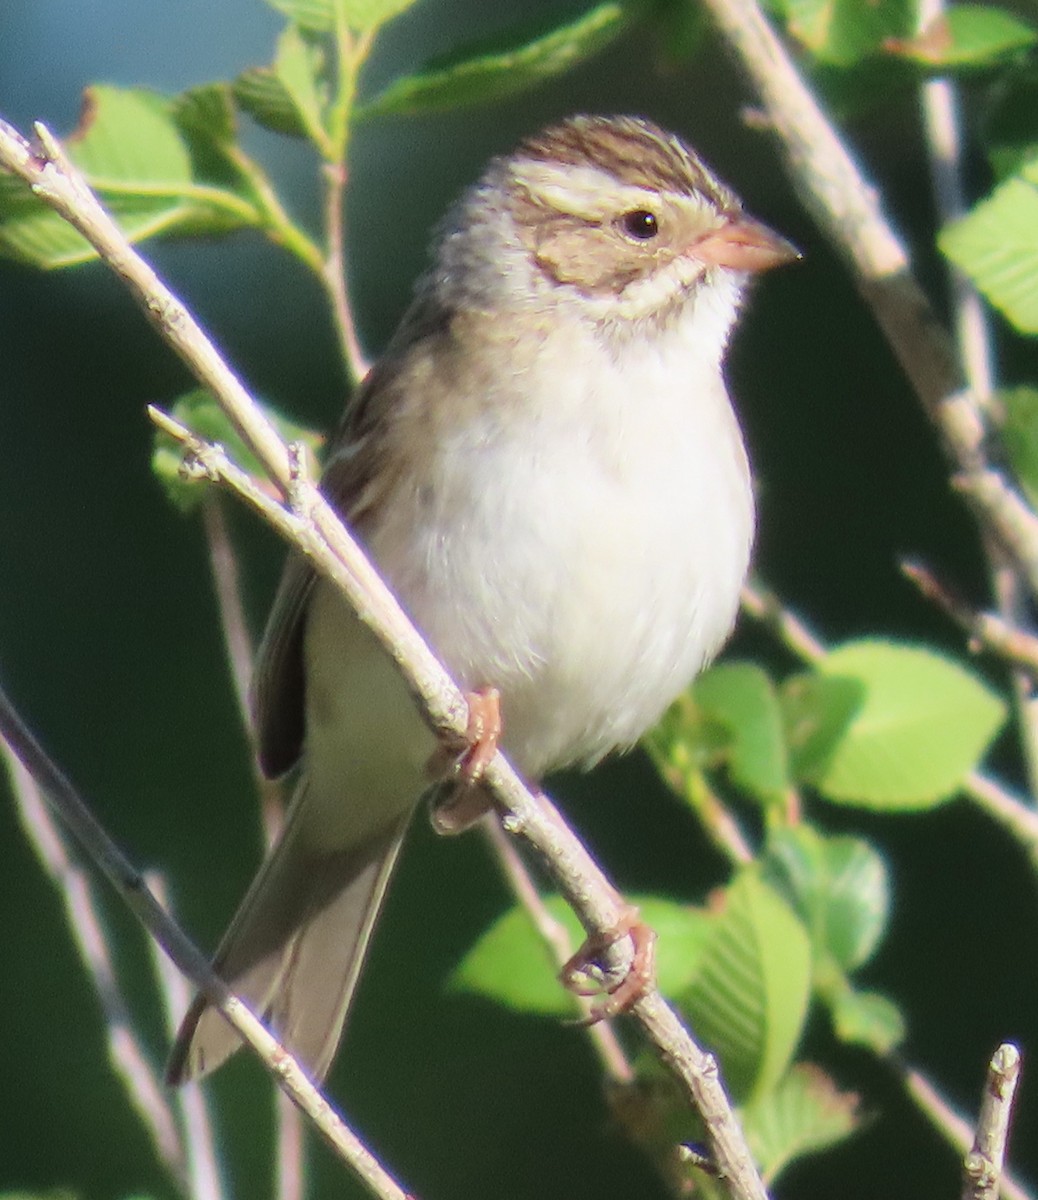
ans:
x=867 y=1019
x=923 y=724
x=966 y=35
x=742 y=698
x=805 y=1113
x=360 y=15
x=843 y=32
x=510 y=964
x=996 y=245
x=480 y=72
x=749 y=997
x=134 y=154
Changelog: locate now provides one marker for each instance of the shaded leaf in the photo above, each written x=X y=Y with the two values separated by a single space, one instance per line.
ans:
x=259 y=92
x=1020 y=436
x=750 y=994
x=483 y=71
x=510 y=964
x=201 y=414
x=1010 y=127
x=838 y=885
x=866 y=1019
x=817 y=710
x=996 y=245
x=742 y=699
x=805 y=1113
x=923 y=725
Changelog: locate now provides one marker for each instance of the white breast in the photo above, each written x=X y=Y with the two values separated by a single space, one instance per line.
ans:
x=582 y=546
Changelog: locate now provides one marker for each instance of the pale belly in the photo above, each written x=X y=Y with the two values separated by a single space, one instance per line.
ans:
x=588 y=582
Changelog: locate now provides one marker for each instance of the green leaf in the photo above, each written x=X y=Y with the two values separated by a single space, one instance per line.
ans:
x=1020 y=435
x=129 y=146
x=298 y=67
x=923 y=724
x=510 y=964
x=805 y=1113
x=866 y=1019
x=742 y=698
x=362 y=16
x=843 y=32
x=480 y=71
x=996 y=245
x=259 y=92
x=202 y=415
x=838 y=886
x=966 y=35
x=750 y=994
x=817 y=711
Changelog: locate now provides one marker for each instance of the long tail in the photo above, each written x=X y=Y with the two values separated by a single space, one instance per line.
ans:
x=295 y=948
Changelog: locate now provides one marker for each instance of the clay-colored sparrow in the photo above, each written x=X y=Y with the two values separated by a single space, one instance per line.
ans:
x=547 y=470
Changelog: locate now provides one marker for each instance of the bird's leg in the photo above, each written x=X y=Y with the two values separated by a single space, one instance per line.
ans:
x=583 y=973
x=460 y=762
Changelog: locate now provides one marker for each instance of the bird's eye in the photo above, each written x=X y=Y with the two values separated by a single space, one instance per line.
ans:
x=640 y=224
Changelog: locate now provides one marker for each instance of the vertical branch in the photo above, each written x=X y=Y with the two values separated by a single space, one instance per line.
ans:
x=127 y=1055
x=203 y=1171
x=973 y=342
x=984 y=1164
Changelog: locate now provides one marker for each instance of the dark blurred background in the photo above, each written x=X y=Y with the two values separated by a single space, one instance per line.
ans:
x=109 y=638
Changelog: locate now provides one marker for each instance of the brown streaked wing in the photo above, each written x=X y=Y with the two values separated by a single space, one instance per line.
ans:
x=354 y=481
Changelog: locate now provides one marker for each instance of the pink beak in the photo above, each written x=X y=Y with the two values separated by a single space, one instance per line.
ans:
x=744 y=244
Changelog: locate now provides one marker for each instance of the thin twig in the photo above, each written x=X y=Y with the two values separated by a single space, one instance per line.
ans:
x=203 y=1168
x=290 y=1076
x=986 y=631
x=952 y=1126
x=983 y=1166
x=128 y=1057
x=333 y=273
x=316 y=530
x=765 y=606
x=847 y=209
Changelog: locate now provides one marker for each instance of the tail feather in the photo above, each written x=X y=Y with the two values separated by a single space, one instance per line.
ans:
x=295 y=949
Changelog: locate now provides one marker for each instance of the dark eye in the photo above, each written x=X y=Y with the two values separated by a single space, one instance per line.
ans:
x=640 y=224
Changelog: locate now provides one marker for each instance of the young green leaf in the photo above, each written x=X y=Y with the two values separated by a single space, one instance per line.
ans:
x=966 y=35
x=509 y=962
x=996 y=245
x=750 y=994
x=299 y=67
x=839 y=887
x=742 y=698
x=129 y=146
x=805 y=1113
x=923 y=724
x=259 y=92
x=361 y=16
x=201 y=414
x=480 y=72
x=866 y=1019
